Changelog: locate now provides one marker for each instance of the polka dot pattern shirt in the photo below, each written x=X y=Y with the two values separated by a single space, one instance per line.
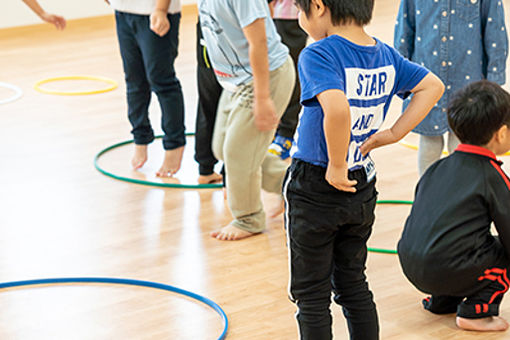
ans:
x=459 y=40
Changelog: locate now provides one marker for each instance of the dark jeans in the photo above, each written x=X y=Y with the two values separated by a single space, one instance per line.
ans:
x=148 y=61
x=327 y=234
x=209 y=92
x=295 y=39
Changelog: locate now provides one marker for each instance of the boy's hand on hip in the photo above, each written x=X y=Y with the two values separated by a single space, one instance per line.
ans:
x=264 y=113
x=337 y=177
x=159 y=22
x=377 y=140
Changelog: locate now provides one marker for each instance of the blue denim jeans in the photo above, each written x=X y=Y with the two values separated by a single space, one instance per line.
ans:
x=148 y=61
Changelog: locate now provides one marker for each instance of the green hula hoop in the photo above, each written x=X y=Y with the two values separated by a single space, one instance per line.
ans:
x=149 y=183
x=382 y=250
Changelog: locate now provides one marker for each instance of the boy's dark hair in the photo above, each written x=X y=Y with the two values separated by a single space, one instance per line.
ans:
x=478 y=110
x=343 y=11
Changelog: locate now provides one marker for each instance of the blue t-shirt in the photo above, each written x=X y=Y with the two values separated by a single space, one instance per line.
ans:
x=368 y=75
x=222 y=23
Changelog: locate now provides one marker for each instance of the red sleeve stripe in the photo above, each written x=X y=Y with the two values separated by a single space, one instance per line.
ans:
x=502 y=173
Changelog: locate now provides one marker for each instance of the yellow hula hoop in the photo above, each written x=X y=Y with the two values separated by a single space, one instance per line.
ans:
x=415 y=147
x=113 y=85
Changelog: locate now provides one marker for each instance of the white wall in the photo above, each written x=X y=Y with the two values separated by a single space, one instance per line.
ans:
x=16 y=13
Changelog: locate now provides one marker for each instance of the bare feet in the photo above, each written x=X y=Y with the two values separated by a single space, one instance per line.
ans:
x=210 y=179
x=172 y=162
x=277 y=208
x=140 y=156
x=224 y=193
x=488 y=324
x=231 y=233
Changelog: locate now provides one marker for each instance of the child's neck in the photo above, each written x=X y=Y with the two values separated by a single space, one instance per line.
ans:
x=494 y=147
x=353 y=33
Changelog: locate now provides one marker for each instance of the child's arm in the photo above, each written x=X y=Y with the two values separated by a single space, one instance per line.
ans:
x=405 y=29
x=58 y=21
x=159 y=20
x=495 y=40
x=264 y=111
x=337 y=130
x=425 y=95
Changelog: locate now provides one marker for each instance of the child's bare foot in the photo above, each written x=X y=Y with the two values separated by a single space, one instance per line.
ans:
x=488 y=324
x=140 y=156
x=210 y=179
x=172 y=162
x=224 y=193
x=277 y=208
x=231 y=233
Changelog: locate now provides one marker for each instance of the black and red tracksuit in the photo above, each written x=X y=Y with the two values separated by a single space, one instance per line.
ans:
x=446 y=248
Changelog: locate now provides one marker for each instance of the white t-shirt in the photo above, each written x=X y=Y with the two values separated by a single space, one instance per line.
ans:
x=143 y=7
x=222 y=24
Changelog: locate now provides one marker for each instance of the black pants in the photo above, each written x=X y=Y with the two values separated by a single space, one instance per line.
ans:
x=295 y=39
x=327 y=234
x=483 y=303
x=209 y=92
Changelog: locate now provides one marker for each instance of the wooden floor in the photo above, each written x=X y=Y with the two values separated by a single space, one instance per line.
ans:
x=59 y=217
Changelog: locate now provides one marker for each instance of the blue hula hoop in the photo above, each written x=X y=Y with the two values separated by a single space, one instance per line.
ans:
x=130 y=282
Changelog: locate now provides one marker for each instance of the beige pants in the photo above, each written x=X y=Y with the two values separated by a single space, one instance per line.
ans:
x=243 y=149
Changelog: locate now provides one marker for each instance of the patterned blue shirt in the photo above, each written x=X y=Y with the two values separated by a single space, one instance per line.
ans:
x=461 y=41
x=368 y=75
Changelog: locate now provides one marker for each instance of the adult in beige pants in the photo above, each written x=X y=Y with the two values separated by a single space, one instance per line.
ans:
x=243 y=149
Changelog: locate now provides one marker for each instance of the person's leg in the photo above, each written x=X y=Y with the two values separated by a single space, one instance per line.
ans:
x=479 y=312
x=242 y=156
x=244 y=151
x=273 y=167
x=209 y=92
x=349 y=280
x=159 y=55
x=295 y=39
x=310 y=227
x=452 y=142
x=225 y=106
x=441 y=304
x=137 y=88
x=429 y=151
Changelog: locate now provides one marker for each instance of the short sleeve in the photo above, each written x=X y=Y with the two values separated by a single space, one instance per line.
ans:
x=249 y=11
x=408 y=74
x=317 y=73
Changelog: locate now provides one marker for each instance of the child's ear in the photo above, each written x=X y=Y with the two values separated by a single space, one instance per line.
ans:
x=502 y=133
x=319 y=7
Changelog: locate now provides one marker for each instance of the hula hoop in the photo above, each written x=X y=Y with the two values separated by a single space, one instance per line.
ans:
x=383 y=250
x=149 y=183
x=130 y=282
x=17 y=93
x=113 y=85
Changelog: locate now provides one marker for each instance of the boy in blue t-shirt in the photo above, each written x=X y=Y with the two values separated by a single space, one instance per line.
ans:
x=348 y=80
x=257 y=75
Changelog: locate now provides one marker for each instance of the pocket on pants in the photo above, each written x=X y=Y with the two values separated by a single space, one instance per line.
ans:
x=368 y=209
